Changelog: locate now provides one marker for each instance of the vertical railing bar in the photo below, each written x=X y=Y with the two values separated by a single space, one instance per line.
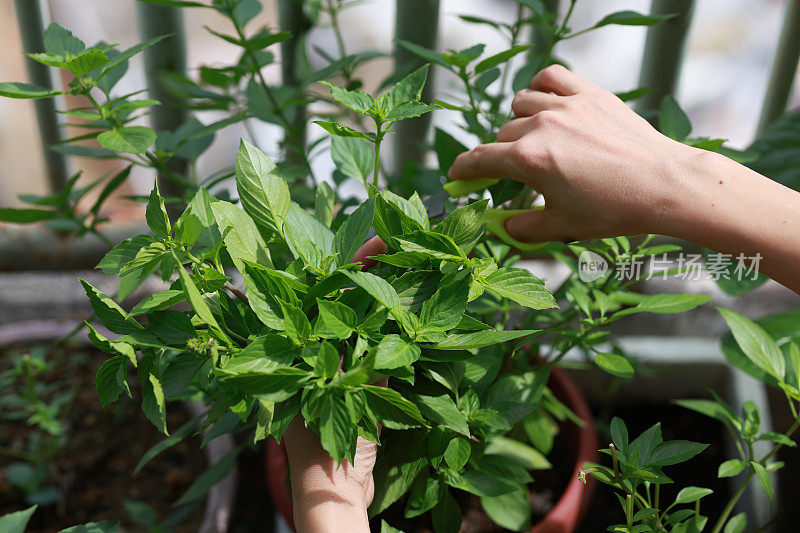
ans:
x=293 y=19
x=31 y=17
x=664 y=51
x=784 y=67
x=540 y=36
x=167 y=56
x=416 y=21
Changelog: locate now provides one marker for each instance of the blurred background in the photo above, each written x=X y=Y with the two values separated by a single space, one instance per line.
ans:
x=722 y=83
x=725 y=71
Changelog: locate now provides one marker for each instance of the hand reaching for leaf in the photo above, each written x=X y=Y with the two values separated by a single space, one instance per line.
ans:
x=604 y=171
x=602 y=168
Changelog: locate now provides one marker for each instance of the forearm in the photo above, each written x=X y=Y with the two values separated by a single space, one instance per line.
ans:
x=731 y=209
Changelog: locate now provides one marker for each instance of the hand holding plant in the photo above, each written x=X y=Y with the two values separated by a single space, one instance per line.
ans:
x=324 y=493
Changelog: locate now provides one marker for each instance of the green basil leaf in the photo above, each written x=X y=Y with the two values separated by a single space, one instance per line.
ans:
x=153 y=403
x=511 y=511
x=337 y=129
x=195 y=299
x=614 y=364
x=25 y=215
x=127 y=139
x=479 y=339
x=26 y=90
x=446 y=307
x=109 y=313
x=391 y=409
x=353 y=157
x=112 y=379
x=457 y=453
x=521 y=286
x=763 y=479
x=337 y=432
x=446 y=516
x=358 y=101
x=672 y=121
x=502 y=57
x=423 y=496
x=395 y=352
x=378 y=288
x=756 y=343
x=632 y=18
x=59 y=40
x=336 y=319
x=674 y=452
x=731 y=468
x=353 y=232
x=691 y=495
x=262 y=190
x=464 y=223
x=275 y=385
x=409 y=89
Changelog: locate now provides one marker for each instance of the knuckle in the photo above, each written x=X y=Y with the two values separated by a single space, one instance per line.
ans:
x=527 y=155
x=546 y=119
x=477 y=156
x=552 y=72
x=518 y=103
x=576 y=103
x=520 y=152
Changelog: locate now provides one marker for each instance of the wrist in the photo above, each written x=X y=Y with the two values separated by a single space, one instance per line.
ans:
x=323 y=503
x=686 y=190
x=323 y=508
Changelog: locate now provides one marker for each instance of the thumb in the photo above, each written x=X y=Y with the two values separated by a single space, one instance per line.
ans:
x=541 y=225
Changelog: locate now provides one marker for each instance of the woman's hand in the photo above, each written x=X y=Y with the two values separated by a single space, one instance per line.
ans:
x=603 y=170
x=327 y=496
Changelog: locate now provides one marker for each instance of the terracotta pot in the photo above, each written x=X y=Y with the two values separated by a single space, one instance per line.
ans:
x=566 y=514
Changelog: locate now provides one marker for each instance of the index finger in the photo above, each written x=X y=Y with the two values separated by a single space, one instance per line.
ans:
x=484 y=161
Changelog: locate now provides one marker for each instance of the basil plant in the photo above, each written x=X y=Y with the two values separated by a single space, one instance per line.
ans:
x=313 y=332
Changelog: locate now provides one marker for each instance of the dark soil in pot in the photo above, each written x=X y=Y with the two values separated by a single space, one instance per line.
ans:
x=93 y=470
x=253 y=510
x=700 y=471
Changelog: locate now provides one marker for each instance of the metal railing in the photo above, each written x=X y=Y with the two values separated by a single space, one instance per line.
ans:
x=417 y=21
